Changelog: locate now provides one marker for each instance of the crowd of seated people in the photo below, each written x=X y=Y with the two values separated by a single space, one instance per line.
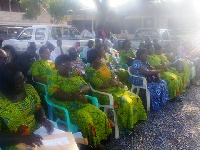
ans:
x=68 y=77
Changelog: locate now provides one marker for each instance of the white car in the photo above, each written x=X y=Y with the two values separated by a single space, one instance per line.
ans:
x=40 y=34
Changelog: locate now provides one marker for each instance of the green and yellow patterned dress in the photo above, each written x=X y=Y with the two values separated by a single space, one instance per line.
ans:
x=184 y=75
x=124 y=54
x=174 y=82
x=18 y=118
x=41 y=68
x=91 y=121
x=129 y=108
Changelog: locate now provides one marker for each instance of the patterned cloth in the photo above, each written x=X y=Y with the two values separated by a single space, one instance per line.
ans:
x=159 y=94
x=129 y=108
x=18 y=118
x=41 y=68
x=174 y=82
x=124 y=54
x=184 y=74
x=91 y=121
x=78 y=65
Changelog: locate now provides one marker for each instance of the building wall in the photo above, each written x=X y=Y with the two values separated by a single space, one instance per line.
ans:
x=15 y=18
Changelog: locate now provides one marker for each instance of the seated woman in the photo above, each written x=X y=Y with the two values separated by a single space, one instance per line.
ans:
x=129 y=108
x=159 y=94
x=40 y=68
x=21 y=112
x=127 y=54
x=68 y=90
x=181 y=71
x=174 y=82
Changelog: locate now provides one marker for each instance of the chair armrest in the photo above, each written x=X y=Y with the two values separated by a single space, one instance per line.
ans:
x=42 y=84
x=143 y=78
x=104 y=93
x=93 y=99
x=48 y=100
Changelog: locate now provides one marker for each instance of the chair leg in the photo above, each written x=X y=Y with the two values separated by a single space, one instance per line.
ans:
x=148 y=99
x=138 y=90
x=116 y=126
x=105 y=110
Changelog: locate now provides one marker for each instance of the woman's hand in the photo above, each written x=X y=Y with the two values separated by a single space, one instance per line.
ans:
x=48 y=125
x=83 y=99
x=31 y=140
x=85 y=89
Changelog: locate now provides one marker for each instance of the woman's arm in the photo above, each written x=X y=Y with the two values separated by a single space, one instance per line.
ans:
x=42 y=119
x=64 y=96
x=148 y=72
x=6 y=140
x=40 y=79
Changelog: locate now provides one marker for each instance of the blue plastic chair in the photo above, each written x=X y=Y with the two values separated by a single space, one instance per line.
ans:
x=66 y=121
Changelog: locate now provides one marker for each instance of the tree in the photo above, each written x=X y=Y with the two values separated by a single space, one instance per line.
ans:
x=58 y=9
x=32 y=8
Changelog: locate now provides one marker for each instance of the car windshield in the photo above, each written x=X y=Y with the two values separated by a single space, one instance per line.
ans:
x=140 y=34
x=63 y=33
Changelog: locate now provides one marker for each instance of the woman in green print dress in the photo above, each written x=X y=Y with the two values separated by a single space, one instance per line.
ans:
x=127 y=54
x=40 y=68
x=20 y=112
x=68 y=90
x=174 y=82
x=129 y=108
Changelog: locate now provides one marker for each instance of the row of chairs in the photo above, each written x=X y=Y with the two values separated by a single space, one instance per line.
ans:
x=72 y=127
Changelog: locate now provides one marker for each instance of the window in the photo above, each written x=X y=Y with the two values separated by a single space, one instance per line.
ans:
x=26 y=35
x=66 y=33
x=40 y=34
x=56 y=32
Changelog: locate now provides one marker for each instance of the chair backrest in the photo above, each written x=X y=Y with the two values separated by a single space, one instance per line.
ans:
x=142 y=78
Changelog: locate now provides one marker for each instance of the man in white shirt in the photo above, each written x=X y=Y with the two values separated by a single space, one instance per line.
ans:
x=86 y=34
x=57 y=51
x=87 y=48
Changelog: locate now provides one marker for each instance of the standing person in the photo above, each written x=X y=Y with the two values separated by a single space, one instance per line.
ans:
x=26 y=59
x=86 y=33
x=124 y=34
x=76 y=62
x=57 y=51
x=89 y=46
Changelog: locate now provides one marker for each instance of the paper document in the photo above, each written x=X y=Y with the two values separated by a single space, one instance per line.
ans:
x=42 y=131
x=56 y=142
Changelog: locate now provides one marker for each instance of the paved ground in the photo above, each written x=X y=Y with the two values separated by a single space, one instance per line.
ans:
x=175 y=127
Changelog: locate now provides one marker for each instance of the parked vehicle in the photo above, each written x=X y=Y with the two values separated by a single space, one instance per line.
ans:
x=164 y=36
x=7 y=32
x=40 y=34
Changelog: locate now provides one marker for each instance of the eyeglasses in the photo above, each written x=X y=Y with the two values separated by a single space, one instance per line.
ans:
x=64 y=64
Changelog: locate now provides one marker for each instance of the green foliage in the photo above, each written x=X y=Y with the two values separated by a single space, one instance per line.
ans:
x=58 y=9
x=32 y=8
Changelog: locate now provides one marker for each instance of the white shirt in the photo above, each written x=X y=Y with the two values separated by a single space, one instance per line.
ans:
x=85 y=50
x=86 y=34
x=55 y=53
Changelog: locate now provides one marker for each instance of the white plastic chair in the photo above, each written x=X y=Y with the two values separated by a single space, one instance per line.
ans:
x=106 y=107
x=143 y=86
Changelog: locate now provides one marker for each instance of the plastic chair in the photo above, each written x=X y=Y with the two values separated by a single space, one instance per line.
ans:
x=106 y=107
x=143 y=86
x=66 y=121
